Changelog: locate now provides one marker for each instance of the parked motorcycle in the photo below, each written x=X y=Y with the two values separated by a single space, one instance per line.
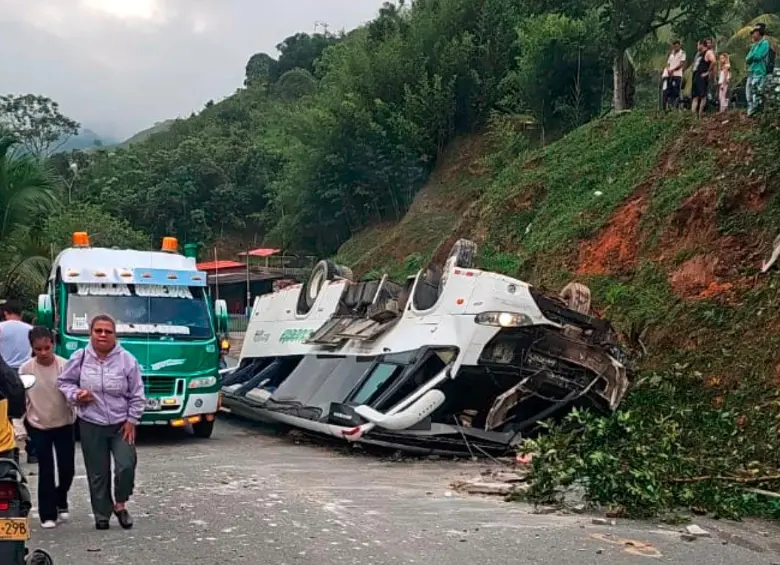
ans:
x=15 y=506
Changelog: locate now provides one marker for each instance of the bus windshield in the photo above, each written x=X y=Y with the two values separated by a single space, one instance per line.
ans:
x=141 y=310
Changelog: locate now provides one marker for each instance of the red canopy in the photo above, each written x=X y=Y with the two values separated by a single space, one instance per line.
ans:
x=260 y=252
x=216 y=265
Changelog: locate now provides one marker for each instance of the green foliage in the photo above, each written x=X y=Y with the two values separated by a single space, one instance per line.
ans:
x=336 y=134
x=259 y=70
x=507 y=138
x=104 y=230
x=611 y=156
x=26 y=195
x=295 y=84
x=635 y=304
x=300 y=51
x=667 y=449
x=571 y=94
x=36 y=122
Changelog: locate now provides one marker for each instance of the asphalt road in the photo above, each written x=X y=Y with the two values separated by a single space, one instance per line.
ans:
x=246 y=497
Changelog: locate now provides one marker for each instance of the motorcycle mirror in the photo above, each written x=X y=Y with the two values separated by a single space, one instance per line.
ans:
x=28 y=381
x=39 y=557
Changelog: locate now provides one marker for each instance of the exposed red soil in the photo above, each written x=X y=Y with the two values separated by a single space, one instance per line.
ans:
x=692 y=225
x=715 y=271
x=615 y=248
x=697 y=277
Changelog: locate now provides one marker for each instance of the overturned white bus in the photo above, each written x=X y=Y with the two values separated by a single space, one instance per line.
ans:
x=455 y=360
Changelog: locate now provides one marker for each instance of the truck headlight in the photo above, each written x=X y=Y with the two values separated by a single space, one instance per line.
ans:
x=203 y=382
x=503 y=319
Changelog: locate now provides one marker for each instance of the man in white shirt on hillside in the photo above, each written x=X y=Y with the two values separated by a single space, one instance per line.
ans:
x=673 y=75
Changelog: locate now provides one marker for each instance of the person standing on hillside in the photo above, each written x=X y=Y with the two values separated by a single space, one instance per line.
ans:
x=724 y=76
x=50 y=420
x=756 y=59
x=673 y=73
x=15 y=348
x=703 y=70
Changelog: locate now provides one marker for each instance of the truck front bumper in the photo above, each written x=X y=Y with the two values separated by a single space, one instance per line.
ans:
x=198 y=406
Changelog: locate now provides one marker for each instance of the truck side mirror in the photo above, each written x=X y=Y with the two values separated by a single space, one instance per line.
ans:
x=45 y=313
x=221 y=316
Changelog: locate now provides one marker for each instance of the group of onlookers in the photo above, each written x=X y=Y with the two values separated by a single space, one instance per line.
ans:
x=707 y=68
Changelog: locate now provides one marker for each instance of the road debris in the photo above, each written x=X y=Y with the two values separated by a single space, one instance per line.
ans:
x=494 y=482
x=603 y=522
x=696 y=531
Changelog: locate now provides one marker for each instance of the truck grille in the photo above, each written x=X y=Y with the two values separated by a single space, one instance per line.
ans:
x=160 y=385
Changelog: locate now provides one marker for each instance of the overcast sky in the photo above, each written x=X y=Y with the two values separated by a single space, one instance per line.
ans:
x=118 y=66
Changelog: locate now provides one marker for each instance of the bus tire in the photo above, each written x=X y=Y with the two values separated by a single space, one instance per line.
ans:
x=322 y=272
x=203 y=429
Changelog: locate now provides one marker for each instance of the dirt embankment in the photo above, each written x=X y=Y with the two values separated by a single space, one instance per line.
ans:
x=438 y=209
x=688 y=242
x=701 y=260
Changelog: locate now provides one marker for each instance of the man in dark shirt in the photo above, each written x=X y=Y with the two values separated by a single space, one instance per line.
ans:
x=12 y=405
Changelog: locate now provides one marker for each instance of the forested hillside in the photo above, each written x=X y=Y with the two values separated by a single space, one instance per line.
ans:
x=337 y=133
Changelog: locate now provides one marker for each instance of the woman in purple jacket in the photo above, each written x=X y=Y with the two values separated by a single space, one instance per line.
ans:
x=104 y=382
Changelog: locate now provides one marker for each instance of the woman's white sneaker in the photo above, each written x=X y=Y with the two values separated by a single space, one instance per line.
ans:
x=49 y=524
x=65 y=516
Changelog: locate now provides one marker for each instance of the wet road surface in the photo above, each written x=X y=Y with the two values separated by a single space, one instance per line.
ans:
x=247 y=497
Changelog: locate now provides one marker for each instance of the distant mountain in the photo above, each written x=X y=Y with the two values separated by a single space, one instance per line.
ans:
x=86 y=139
x=143 y=135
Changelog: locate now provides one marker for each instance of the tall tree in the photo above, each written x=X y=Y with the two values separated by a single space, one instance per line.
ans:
x=259 y=69
x=37 y=123
x=627 y=22
x=301 y=51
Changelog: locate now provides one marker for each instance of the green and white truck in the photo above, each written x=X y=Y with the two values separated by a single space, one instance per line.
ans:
x=164 y=317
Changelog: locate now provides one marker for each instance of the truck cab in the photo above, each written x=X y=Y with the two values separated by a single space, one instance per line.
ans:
x=164 y=317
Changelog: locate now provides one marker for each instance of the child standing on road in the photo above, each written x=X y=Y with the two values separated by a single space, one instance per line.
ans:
x=724 y=76
x=50 y=421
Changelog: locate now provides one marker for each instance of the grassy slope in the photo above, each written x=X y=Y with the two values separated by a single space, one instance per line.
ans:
x=663 y=218
x=671 y=248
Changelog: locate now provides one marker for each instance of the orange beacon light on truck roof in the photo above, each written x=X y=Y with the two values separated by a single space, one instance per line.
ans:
x=80 y=239
x=170 y=245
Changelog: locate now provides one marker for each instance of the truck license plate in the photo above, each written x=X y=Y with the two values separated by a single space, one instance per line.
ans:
x=14 y=529
x=152 y=404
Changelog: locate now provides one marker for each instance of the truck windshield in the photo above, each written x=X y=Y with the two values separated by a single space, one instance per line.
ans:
x=141 y=310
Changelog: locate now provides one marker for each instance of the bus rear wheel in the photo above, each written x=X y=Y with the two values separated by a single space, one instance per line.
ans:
x=203 y=429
